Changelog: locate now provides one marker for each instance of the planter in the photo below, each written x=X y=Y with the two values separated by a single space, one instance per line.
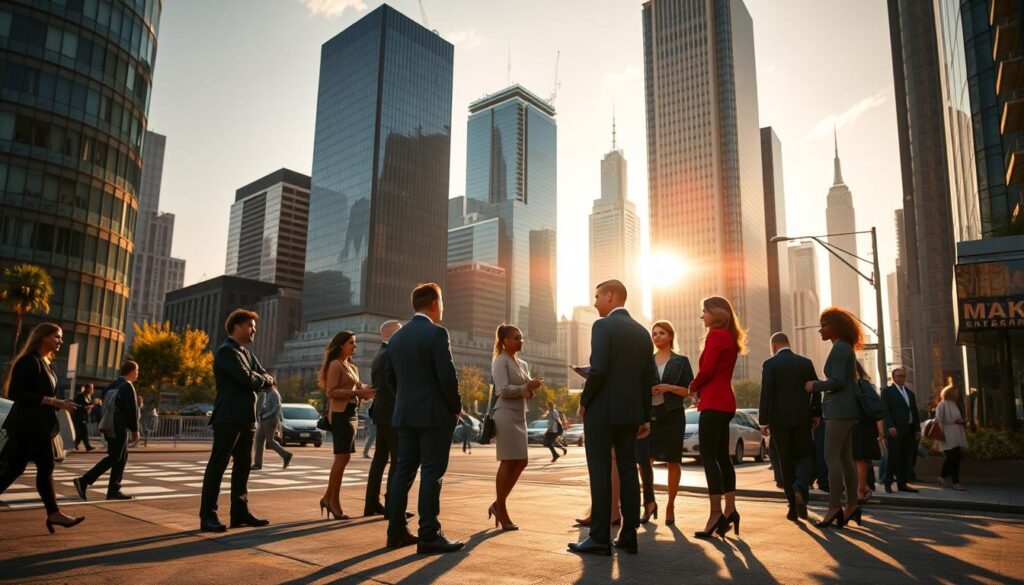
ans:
x=1003 y=472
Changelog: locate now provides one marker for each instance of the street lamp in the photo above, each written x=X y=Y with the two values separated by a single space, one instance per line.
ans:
x=874 y=279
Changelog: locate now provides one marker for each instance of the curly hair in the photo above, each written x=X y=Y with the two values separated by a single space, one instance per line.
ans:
x=845 y=325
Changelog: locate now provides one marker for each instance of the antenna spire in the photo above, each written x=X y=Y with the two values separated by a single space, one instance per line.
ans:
x=614 y=146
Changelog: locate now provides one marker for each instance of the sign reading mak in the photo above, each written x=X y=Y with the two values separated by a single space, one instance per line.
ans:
x=990 y=295
x=978 y=314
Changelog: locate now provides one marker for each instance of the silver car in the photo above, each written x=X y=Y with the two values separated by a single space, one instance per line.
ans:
x=744 y=437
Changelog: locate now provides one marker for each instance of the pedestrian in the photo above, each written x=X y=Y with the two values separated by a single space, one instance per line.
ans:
x=120 y=397
x=668 y=419
x=556 y=426
x=903 y=431
x=427 y=407
x=790 y=416
x=268 y=419
x=81 y=417
x=339 y=378
x=867 y=436
x=954 y=439
x=616 y=410
x=724 y=341
x=513 y=386
x=370 y=428
x=153 y=418
x=238 y=376
x=31 y=383
x=841 y=409
x=466 y=434
x=382 y=378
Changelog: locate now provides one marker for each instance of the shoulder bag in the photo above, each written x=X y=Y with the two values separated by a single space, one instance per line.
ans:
x=487 y=429
x=109 y=410
x=933 y=430
x=872 y=407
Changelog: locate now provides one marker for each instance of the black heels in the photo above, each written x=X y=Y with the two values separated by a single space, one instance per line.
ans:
x=855 y=516
x=651 y=510
x=733 y=520
x=721 y=527
x=837 y=518
x=71 y=521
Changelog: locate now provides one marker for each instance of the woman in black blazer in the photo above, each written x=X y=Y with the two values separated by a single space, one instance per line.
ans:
x=32 y=423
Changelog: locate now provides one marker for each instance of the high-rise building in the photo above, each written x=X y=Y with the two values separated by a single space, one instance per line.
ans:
x=893 y=296
x=378 y=203
x=474 y=298
x=779 y=293
x=903 y=349
x=511 y=175
x=206 y=305
x=76 y=90
x=615 y=231
x=803 y=263
x=574 y=337
x=154 y=272
x=840 y=219
x=704 y=166
x=267 y=230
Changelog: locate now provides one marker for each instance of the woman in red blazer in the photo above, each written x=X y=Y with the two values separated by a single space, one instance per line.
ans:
x=724 y=341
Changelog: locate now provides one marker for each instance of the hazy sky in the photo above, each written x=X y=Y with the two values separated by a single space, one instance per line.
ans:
x=236 y=81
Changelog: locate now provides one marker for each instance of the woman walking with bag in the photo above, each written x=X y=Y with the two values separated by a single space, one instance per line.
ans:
x=953 y=440
x=513 y=387
x=32 y=423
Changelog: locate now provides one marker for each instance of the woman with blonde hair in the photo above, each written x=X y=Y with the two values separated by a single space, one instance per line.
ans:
x=954 y=439
x=32 y=422
x=724 y=342
x=340 y=379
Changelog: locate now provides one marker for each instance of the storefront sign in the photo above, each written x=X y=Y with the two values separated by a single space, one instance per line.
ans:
x=990 y=295
x=978 y=314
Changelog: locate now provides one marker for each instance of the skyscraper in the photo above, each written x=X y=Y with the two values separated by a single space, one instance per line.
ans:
x=267 y=230
x=154 y=272
x=803 y=262
x=615 y=231
x=511 y=175
x=76 y=83
x=840 y=219
x=704 y=166
x=779 y=292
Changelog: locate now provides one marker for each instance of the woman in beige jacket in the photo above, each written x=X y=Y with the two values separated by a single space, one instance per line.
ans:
x=948 y=417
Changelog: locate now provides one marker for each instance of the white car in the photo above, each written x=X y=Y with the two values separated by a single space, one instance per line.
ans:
x=744 y=437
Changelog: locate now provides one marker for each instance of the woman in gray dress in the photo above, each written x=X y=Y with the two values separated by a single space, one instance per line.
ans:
x=513 y=387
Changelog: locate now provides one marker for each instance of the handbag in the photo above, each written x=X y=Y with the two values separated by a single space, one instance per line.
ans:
x=57 y=444
x=109 y=410
x=487 y=429
x=323 y=423
x=933 y=430
x=872 y=407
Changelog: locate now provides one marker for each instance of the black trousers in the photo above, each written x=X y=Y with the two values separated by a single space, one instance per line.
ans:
x=901 y=457
x=116 y=459
x=600 y=441
x=820 y=466
x=795 y=452
x=17 y=452
x=234 y=442
x=713 y=434
x=82 y=434
x=425 y=449
x=383 y=456
x=643 y=463
x=551 y=441
x=951 y=464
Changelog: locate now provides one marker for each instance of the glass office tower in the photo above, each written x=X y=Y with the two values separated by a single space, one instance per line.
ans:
x=76 y=81
x=378 y=203
x=511 y=162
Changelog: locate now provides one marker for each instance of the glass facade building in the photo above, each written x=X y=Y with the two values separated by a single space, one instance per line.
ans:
x=615 y=232
x=511 y=174
x=779 y=292
x=76 y=78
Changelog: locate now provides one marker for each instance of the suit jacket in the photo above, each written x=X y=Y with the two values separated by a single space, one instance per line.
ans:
x=32 y=379
x=839 y=386
x=82 y=414
x=427 y=390
x=678 y=373
x=784 y=401
x=126 y=406
x=899 y=412
x=270 y=406
x=622 y=372
x=239 y=376
x=382 y=378
x=716 y=365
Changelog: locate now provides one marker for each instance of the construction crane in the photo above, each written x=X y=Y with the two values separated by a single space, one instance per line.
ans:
x=423 y=13
x=555 y=84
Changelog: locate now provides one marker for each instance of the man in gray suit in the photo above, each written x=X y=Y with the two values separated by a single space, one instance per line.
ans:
x=616 y=411
x=270 y=416
x=427 y=406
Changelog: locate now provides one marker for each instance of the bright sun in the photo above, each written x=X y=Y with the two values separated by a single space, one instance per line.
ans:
x=664 y=269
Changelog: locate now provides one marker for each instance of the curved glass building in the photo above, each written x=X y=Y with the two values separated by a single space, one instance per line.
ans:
x=75 y=79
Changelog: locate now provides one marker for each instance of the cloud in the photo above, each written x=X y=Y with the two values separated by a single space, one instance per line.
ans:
x=630 y=72
x=465 y=39
x=825 y=126
x=332 y=8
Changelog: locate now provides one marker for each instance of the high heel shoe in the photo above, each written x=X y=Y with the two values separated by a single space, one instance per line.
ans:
x=649 y=511
x=338 y=514
x=855 y=516
x=583 y=521
x=492 y=512
x=71 y=521
x=837 y=518
x=733 y=520
x=323 y=506
x=721 y=526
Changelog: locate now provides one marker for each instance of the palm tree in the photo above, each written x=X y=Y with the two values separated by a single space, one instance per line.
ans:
x=24 y=289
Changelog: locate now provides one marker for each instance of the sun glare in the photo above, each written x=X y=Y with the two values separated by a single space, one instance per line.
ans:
x=664 y=269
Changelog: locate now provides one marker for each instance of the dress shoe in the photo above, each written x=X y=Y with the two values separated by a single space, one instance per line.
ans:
x=590 y=546
x=249 y=520
x=438 y=544
x=626 y=543
x=407 y=539
x=372 y=510
x=801 y=505
x=287 y=459
x=255 y=467
x=211 y=525
x=119 y=496
x=908 y=489
x=791 y=515
x=80 y=487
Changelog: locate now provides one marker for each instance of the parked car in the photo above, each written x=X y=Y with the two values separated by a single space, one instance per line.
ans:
x=744 y=436
x=298 y=425
x=461 y=429
x=535 y=431
x=753 y=412
x=573 y=434
x=198 y=409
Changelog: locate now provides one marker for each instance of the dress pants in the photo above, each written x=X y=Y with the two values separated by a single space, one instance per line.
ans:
x=116 y=459
x=383 y=456
x=793 y=444
x=425 y=449
x=17 y=452
x=265 y=438
x=230 y=441
x=82 y=434
x=901 y=456
x=600 y=441
x=820 y=465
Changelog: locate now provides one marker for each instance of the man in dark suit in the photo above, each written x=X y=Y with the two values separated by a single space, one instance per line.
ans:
x=427 y=407
x=903 y=429
x=239 y=377
x=382 y=377
x=121 y=396
x=791 y=416
x=616 y=410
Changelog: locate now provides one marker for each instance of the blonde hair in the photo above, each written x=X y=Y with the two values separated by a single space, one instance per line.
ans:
x=950 y=392
x=504 y=330
x=725 y=318
x=667 y=327
x=35 y=337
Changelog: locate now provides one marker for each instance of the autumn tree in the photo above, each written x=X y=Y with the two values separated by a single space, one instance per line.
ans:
x=167 y=357
x=25 y=289
x=472 y=385
x=748 y=393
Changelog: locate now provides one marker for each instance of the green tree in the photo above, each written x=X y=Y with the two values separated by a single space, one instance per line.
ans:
x=748 y=393
x=472 y=386
x=25 y=289
x=566 y=402
x=297 y=389
x=169 y=358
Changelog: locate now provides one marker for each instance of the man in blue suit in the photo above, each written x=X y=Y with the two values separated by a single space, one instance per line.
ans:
x=616 y=410
x=902 y=426
x=427 y=406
